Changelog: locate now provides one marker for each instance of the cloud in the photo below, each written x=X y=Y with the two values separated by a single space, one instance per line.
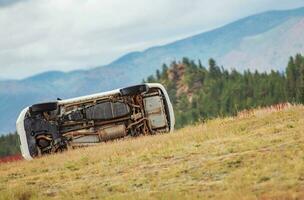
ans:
x=40 y=35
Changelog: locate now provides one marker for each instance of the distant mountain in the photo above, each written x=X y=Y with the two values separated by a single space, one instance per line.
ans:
x=263 y=41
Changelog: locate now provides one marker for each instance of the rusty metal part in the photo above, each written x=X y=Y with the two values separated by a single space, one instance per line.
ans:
x=80 y=133
x=136 y=116
x=146 y=129
x=112 y=121
x=69 y=123
x=112 y=132
x=151 y=94
x=101 y=123
x=129 y=101
x=135 y=123
x=138 y=100
x=101 y=134
x=39 y=153
x=78 y=145
x=43 y=137
x=46 y=116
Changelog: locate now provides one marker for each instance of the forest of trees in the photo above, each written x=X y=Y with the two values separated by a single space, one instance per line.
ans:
x=200 y=93
x=9 y=144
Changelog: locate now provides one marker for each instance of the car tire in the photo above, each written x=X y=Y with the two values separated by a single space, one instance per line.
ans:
x=134 y=90
x=43 y=107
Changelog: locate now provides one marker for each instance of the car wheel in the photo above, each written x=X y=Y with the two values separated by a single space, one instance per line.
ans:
x=133 y=90
x=44 y=107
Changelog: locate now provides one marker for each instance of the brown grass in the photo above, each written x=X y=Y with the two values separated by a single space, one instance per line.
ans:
x=258 y=156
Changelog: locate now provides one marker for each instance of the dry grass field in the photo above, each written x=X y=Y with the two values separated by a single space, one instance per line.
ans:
x=257 y=155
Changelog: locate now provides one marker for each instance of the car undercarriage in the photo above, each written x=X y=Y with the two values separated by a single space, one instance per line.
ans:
x=56 y=126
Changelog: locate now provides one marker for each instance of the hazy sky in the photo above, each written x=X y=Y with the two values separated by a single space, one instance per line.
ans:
x=41 y=35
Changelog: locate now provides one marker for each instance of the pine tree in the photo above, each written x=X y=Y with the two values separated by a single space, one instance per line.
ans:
x=158 y=75
x=301 y=81
x=291 y=73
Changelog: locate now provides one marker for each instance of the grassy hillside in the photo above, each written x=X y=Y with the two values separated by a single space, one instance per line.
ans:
x=258 y=154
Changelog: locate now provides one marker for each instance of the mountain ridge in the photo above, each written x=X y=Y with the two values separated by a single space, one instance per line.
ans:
x=297 y=11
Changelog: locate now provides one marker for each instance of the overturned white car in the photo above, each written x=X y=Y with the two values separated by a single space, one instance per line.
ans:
x=55 y=126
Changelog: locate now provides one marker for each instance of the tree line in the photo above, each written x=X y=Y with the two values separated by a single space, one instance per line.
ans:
x=200 y=93
x=9 y=144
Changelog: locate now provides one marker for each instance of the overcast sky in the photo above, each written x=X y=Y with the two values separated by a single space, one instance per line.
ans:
x=41 y=35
